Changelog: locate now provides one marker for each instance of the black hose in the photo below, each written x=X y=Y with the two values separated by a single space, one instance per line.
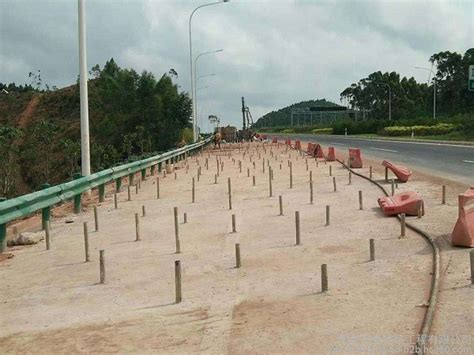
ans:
x=422 y=340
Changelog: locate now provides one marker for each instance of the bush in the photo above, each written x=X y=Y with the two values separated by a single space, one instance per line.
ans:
x=360 y=127
x=288 y=130
x=439 y=129
x=187 y=135
x=322 y=131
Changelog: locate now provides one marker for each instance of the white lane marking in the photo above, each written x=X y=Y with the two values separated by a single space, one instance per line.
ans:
x=335 y=143
x=385 y=150
x=408 y=142
x=468 y=161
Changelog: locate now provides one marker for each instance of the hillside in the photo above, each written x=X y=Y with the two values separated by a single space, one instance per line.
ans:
x=130 y=114
x=282 y=117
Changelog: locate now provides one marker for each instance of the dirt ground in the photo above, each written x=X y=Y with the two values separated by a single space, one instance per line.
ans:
x=52 y=300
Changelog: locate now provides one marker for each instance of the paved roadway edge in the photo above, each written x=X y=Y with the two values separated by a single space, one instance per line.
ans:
x=462 y=144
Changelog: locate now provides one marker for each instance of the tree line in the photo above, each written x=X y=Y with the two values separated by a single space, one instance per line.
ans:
x=411 y=99
x=131 y=116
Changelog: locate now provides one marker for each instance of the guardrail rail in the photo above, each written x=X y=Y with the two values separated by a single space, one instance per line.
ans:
x=23 y=206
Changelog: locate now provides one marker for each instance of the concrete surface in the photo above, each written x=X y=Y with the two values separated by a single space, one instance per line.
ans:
x=52 y=302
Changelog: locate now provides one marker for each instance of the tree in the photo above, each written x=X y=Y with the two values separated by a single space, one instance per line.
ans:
x=9 y=168
x=71 y=154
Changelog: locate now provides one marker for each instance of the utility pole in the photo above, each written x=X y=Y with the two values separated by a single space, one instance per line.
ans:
x=84 y=101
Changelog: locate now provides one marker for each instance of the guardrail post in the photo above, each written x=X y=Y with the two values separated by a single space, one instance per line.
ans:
x=45 y=212
x=159 y=167
x=101 y=192
x=131 y=178
x=78 y=197
x=118 y=184
x=143 y=174
x=3 y=237
x=152 y=170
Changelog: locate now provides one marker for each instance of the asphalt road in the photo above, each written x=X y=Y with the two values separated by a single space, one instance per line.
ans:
x=454 y=162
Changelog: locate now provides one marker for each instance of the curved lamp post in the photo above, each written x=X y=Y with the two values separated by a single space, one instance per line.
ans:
x=191 y=58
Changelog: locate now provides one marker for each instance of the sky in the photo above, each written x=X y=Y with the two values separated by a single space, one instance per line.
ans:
x=275 y=53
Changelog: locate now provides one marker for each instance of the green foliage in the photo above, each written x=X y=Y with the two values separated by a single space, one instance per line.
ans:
x=103 y=156
x=282 y=117
x=138 y=113
x=411 y=99
x=71 y=155
x=288 y=130
x=38 y=153
x=187 y=135
x=9 y=152
x=322 y=131
x=439 y=129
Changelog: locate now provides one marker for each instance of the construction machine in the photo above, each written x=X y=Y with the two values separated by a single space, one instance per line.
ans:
x=246 y=132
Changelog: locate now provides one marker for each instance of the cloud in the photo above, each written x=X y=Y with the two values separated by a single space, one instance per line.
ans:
x=275 y=52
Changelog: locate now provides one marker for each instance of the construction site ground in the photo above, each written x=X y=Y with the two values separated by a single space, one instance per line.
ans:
x=52 y=301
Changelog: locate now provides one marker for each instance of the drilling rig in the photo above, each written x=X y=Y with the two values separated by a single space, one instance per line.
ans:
x=247 y=123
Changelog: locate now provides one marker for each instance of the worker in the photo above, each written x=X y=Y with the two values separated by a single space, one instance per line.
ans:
x=217 y=139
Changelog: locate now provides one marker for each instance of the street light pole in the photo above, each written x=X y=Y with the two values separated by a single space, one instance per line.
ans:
x=434 y=89
x=195 y=102
x=192 y=78
x=84 y=102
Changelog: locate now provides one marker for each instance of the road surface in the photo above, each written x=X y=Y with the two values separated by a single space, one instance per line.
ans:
x=454 y=162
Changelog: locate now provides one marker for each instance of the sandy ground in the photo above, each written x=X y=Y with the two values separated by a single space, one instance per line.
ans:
x=52 y=301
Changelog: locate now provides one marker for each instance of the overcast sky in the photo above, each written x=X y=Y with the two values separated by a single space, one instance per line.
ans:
x=275 y=52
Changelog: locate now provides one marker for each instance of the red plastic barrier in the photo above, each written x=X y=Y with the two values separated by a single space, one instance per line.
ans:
x=319 y=151
x=405 y=202
x=298 y=145
x=355 y=159
x=401 y=172
x=288 y=142
x=274 y=140
x=331 y=154
x=463 y=232
x=310 y=149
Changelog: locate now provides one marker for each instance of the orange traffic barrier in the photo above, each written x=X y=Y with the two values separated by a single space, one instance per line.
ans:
x=288 y=142
x=401 y=172
x=319 y=151
x=406 y=202
x=310 y=149
x=274 y=140
x=331 y=154
x=463 y=232
x=297 y=144
x=355 y=159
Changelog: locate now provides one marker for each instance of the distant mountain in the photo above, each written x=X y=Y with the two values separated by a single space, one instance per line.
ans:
x=282 y=117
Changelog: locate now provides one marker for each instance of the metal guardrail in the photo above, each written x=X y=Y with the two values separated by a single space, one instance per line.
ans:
x=43 y=200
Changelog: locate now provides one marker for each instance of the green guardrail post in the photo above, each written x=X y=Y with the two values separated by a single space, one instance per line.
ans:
x=3 y=233
x=152 y=170
x=78 y=197
x=101 y=192
x=159 y=167
x=45 y=212
x=118 y=184
x=143 y=174
x=3 y=237
x=130 y=179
